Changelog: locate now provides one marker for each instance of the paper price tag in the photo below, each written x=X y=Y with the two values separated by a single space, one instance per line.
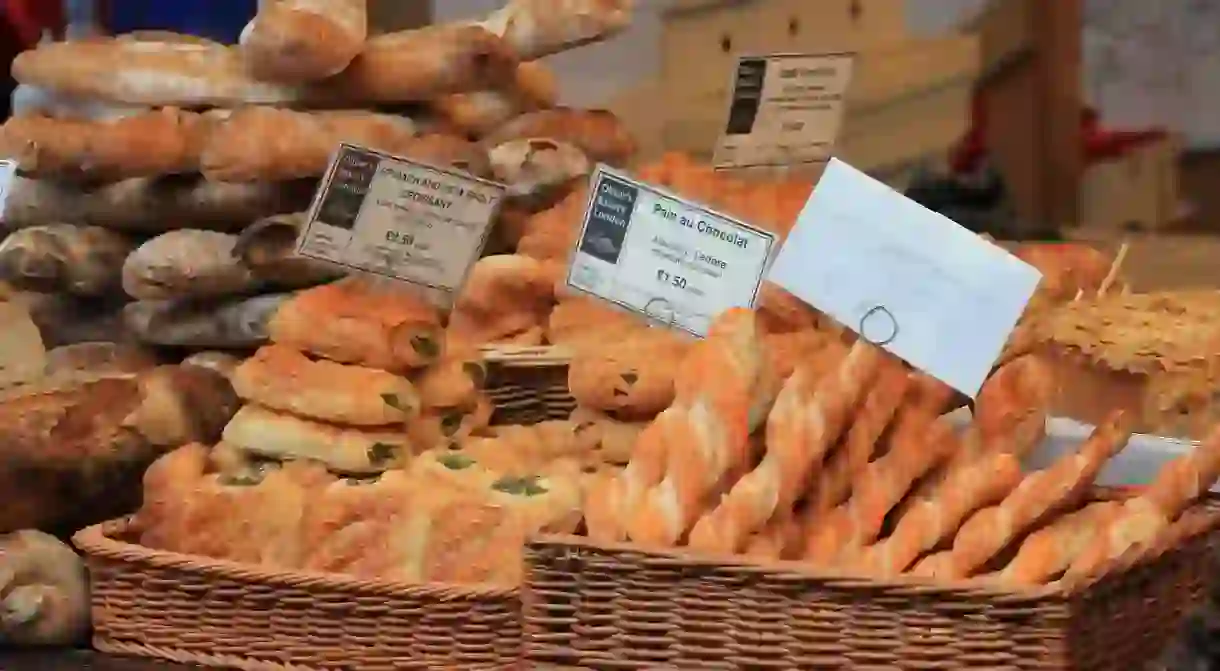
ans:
x=663 y=256
x=904 y=277
x=8 y=171
x=401 y=219
x=785 y=109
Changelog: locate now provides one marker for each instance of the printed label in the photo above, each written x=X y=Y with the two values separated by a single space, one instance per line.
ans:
x=400 y=219
x=663 y=256
x=8 y=171
x=784 y=110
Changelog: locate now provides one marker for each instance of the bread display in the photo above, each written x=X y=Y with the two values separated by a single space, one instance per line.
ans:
x=186 y=263
x=1153 y=355
x=78 y=260
x=297 y=41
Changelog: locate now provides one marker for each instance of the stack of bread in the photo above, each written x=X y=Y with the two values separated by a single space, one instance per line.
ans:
x=851 y=464
x=154 y=204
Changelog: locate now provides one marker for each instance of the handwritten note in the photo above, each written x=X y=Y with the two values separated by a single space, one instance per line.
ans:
x=904 y=277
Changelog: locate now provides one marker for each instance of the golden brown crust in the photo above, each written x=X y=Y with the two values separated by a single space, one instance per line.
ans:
x=282 y=378
x=353 y=322
x=298 y=41
x=447 y=151
x=478 y=113
x=79 y=260
x=633 y=379
x=600 y=134
x=342 y=448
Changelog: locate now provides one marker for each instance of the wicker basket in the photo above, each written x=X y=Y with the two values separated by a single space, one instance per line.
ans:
x=196 y=610
x=595 y=606
x=528 y=384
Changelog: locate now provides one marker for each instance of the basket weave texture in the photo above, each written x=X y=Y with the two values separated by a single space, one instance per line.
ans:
x=196 y=610
x=528 y=384
x=593 y=606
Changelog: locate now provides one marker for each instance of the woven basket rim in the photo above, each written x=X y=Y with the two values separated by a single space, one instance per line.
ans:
x=99 y=541
x=527 y=356
x=1200 y=519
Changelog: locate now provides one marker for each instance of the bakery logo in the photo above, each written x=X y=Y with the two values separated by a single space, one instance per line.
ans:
x=747 y=96
x=349 y=182
x=609 y=216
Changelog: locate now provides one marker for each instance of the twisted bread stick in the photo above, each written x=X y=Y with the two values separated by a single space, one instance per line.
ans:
x=972 y=486
x=709 y=423
x=1048 y=551
x=799 y=432
x=918 y=442
x=1179 y=484
x=937 y=565
x=1041 y=494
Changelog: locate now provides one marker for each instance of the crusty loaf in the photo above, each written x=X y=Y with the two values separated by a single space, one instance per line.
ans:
x=223 y=363
x=100 y=358
x=80 y=260
x=233 y=324
x=294 y=145
x=537 y=28
x=600 y=134
x=477 y=113
x=154 y=143
x=268 y=249
x=447 y=151
x=295 y=41
x=186 y=263
x=152 y=205
x=537 y=167
x=353 y=321
x=343 y=449
x=281 y=378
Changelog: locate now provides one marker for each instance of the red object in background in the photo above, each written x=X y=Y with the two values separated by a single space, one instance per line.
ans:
x=29 y=18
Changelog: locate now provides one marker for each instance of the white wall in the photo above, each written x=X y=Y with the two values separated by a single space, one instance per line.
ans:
x=1146 y=62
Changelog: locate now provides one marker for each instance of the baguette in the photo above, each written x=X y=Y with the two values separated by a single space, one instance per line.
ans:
x=152 y=205
x=186 y=263
x=719 y=415
x=80 y=260
x=477 y=113
x=1050 y=550
x=352 y=321
x=1040 y=495
x=294 y=145
x=297 y=41
x=283 y=379
x=267 y=248
x=598 y=133
x=343 y=449
x=801 y=428
x=537 y=28
x=147 y=144
x=232 y=324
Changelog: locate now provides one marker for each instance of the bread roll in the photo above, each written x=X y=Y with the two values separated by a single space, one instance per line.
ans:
x=292 y=145
x=283 y=379
x=46 y=591
x=154 y=143
x=343 y=449
x=352 y=321
x=233 y=324
x=477 y=113
x=537 y=28
x=268 y=249
x=598 y=133
x=186 y=263
x=295 y=41
x=439 y=427
x=152 y=205
x=80 y=260
x=536 y=167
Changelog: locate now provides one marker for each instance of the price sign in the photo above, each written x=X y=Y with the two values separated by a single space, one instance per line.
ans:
x=785 y=109
x=8 y=171
x=904 y=277
x=399 y=218
x=663 y=256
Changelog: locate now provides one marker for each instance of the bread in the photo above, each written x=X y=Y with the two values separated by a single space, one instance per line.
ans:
x=76 y=444
x=454 y=382
x=1155 y=356
x=80 y=260
x=352 y=321
x=346 y=528
x=537 y=28
x=504 y=296
x=152 y=205
x=630 y=379
x=46 y=591
x=598 y=133
x=437 y=427
x=186 y=263
x=1068 y=270
x=296 y=41
x=294 y=145
x=104 y=358
x=232 y=324
x=578 y=321
x=267 y=248
x=534 y=168
x=219 y=362
x=551 y=234
x=447 y=151
x=610 y=440
x=283 y=379
x=147 y=144
x=343 y=449
x=477 y=113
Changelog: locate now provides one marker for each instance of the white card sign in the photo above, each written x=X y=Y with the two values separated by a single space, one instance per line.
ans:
x=784 y=110
x=399 y=218
x=663 y=256
x=8 y=171
x=925 y=288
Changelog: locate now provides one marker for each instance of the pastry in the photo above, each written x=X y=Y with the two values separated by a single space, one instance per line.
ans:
x=355 y=450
